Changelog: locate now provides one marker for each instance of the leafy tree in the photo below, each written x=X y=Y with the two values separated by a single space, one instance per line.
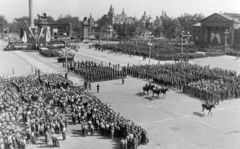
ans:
x=103 y=22
x=22 y=19
x=76 y=24
x=187 y=20
x=169 y=27
x=3 y=23
x=50 y=19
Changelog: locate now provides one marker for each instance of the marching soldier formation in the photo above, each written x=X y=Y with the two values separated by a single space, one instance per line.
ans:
x=91 y=72
x=161 y=50
x=208 y=84
x=43 y=99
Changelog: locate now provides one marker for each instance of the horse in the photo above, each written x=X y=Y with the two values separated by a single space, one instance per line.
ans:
x=156 y=91
x=208 y=107
x=146 y=88
x=151 y=87
x=163 y=91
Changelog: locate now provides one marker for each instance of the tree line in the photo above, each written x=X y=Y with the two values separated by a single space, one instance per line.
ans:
x=168 y=25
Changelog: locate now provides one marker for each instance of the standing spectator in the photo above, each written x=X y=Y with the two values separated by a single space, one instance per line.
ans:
x=123 y=80
x=123 y=143
x=98 y=86
x=64 y=133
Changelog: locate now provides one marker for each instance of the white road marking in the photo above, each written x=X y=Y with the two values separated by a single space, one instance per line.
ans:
x=162 y=120
x=231 y=107
x=187 y=115
x=35 y=63
x=172 y=111
x=208 y=125
x=45 y=60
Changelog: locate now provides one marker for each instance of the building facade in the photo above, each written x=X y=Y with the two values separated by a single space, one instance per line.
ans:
x=119 y=18
x=218 y=29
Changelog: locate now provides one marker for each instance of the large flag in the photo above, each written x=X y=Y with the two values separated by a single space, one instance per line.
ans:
x=24 y=38
x=48 y=34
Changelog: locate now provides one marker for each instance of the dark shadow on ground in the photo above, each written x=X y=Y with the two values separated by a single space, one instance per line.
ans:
x=233 y=132
x=140 y=94
x=46 y=146
x=151 y=98
x=76 y=133
x=198 y=114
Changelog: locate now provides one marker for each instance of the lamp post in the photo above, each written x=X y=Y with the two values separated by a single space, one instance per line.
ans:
x=100 y=36
x=149 y=44
x=188 y=38
x=107 y=36
x=226 y=32
x=182 y=42
x=66 y=55
x=176 y=30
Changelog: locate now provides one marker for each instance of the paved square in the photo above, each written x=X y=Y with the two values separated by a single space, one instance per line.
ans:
x=174 y=122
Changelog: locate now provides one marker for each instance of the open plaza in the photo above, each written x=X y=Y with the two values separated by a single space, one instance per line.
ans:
x=172 y=122
x=119 y=82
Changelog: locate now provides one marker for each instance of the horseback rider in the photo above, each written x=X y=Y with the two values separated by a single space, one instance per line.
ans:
x=146 y=85
x=207 y=104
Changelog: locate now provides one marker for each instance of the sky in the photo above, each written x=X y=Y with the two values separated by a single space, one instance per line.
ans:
x=81 y=8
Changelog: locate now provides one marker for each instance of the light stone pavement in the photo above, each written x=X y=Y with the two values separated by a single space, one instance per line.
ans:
x=174 y=122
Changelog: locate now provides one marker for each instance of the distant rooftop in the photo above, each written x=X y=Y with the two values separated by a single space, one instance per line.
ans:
x=197 y=24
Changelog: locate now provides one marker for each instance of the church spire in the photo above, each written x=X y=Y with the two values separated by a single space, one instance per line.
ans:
x=110 y=10
x=123 y=11
x=90 y=15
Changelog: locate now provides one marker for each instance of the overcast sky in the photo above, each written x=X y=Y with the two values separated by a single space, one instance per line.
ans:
x=17 y=8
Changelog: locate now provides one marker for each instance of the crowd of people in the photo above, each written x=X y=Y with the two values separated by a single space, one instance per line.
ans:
x=209 y=84
x=43 y=98
x=10 y=136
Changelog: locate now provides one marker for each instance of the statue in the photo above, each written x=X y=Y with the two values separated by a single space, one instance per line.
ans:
x=42 y=17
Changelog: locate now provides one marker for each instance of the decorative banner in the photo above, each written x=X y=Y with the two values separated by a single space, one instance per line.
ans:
x=218 y=36
x=48 y=34
x=24 y=38
x=212 y=37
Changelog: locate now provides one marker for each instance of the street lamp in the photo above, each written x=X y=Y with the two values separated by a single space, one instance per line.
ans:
x=226 y=32
x=176 y=30
x=107 y=36
x=149 y=44
x=188 y=39
x=182 y=42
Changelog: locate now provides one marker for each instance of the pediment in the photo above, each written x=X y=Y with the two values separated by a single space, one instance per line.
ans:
x=217 y=18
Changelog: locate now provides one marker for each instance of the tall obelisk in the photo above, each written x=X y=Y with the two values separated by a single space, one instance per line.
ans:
x=31 y=14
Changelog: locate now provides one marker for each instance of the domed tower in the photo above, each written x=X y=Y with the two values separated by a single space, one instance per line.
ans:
x=123 y=12
x=111 y=15
x=144 y=18
x=150 y=23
